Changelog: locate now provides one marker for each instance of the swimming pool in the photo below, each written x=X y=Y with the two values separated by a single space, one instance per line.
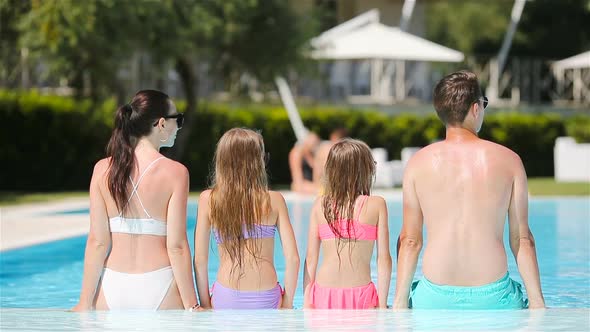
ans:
x=49 y=275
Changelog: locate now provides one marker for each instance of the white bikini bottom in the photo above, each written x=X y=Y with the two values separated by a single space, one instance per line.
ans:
x=136 y=290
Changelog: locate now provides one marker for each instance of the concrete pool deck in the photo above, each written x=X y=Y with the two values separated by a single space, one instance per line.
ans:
x=34 y=223
x=29 y=224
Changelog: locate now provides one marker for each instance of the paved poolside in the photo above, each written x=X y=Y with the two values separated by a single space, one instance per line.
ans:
x=28 y=224
x=33 y=223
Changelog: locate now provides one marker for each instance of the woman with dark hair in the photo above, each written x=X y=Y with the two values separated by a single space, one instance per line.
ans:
x=137 y=254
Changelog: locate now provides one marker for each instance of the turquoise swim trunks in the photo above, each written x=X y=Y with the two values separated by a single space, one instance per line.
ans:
x=501 y=294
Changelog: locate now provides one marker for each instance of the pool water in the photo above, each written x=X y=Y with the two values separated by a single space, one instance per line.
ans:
x=49 y=275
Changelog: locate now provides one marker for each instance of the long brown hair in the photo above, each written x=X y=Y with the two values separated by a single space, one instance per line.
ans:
x=132 y=121
x=349 y=172
x=239 y=192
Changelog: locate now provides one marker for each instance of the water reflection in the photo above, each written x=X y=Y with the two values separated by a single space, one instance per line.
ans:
x=309 y=320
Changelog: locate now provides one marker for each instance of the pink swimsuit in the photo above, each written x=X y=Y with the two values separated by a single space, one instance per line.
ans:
x=361 y=297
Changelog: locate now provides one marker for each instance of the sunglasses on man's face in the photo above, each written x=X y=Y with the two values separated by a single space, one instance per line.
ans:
x=485 y=102
x=179 y=119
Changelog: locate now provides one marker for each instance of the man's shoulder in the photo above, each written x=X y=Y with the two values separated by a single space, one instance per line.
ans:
x=419 y=159
x=427 y=151
x=500 y=150
x=430 y=151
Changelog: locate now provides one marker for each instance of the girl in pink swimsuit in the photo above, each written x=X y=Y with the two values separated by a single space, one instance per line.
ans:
x=346 y=222
x=244 y=217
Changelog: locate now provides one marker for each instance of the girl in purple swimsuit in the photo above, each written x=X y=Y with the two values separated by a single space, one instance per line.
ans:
x=244 y=217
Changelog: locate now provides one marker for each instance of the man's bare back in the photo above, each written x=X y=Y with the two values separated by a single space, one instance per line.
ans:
x=461 y=190
x=464 y=185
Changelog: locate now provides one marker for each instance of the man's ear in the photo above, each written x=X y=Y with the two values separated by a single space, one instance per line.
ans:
x=475 y=108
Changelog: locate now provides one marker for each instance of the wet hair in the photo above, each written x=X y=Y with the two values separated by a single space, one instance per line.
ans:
x=349 y=172
x=132 y=121
x=239 y=193
x=453 y=96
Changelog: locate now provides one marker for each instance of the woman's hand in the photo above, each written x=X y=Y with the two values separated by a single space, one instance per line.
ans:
x=81 y=307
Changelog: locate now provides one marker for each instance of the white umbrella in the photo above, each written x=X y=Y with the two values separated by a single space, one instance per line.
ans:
x=581 y=60
x=378 y=41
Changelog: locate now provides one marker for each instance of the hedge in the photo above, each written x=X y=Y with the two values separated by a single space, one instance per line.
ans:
x=50 y=143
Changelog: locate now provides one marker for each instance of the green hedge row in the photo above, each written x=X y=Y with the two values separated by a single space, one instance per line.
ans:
x=51 y=143
x=48 y=143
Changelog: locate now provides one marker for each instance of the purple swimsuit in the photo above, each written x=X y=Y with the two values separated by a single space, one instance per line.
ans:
x=227 y=298
x=259 y=232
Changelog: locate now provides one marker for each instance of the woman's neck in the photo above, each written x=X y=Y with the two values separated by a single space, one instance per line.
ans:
x=146 y=145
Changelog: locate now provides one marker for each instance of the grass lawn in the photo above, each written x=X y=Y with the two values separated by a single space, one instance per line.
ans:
x=548 y=187
x=13 y=198
x=537 y=187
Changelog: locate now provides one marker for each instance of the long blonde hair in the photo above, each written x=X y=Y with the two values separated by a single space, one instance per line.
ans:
x=349 y=172
x=239 y=193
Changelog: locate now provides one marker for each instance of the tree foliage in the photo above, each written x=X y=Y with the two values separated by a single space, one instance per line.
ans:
x=548 y=28
x=78 y=38
x=10 y=13
x=95 y=37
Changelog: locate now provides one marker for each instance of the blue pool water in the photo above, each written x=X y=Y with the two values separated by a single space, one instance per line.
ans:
x=49 y=275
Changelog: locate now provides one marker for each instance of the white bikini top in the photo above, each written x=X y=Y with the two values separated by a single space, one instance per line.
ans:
x=142 y=226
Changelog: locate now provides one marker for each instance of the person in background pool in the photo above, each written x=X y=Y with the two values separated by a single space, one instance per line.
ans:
x=301 y=163
x=244 y=217
x=321 y=155
x=346 y=222
x=461 y=189
x=137 y=254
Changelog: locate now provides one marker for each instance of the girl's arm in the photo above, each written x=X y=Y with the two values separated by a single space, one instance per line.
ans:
x=313 y=252
x=289 y=249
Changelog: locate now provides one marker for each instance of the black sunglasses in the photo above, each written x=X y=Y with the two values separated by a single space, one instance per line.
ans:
x=485 y=102
x=179 y=119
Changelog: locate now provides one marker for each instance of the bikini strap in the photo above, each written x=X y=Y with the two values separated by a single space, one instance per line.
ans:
x=145 y=172
x=363 y=200
x=136 y=186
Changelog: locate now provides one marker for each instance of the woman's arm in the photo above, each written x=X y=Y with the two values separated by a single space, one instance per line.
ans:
x=313 y=252
x=202 y=236
x=289 y=249
x=176 y=240
x=383 y=254
x=98 y=243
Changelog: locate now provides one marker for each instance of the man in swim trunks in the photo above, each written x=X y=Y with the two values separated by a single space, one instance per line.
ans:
x=301 y=162
x=321 y=155
x=461 y=190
